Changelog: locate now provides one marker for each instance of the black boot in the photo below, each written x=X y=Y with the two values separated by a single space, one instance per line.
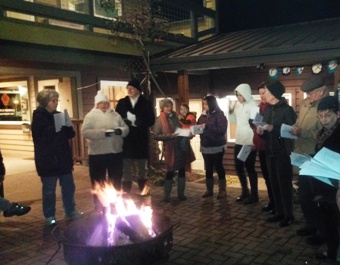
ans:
x=142 y=183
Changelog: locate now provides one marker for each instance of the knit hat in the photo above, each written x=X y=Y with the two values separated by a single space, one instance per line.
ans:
x=165 y=102
x=312 y=83
x=276 y=88
x=329 y=103
x=135 y=83
x=100 y=97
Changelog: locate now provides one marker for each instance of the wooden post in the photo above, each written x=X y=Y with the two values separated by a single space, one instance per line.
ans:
x=183 y=87
x=336 y=79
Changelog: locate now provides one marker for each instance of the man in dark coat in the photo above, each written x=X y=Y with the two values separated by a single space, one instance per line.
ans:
x=138 y=114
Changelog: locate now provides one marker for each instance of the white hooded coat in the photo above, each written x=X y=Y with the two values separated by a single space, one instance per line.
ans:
x=96 y=122
x=244 y=134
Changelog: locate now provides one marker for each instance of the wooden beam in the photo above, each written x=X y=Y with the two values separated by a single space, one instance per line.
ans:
x=183 y=87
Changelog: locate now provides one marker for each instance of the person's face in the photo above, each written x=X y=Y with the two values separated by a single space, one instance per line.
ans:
x=262 y=92
x=183 y=111
x=269 y=98
x=5 y=99
x=315 y=94
x=52 y=104
x=168 y=109
x=103 y=105
x=205 y=105
x=327 y=118
x=132 y=91
x=240 y=98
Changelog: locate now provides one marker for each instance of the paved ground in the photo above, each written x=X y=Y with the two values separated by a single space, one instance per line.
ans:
x=206 y=231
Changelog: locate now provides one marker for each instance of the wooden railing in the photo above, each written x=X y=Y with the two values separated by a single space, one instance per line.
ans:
x=79 y=144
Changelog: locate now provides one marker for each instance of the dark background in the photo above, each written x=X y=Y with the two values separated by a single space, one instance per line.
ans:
x=237 y=15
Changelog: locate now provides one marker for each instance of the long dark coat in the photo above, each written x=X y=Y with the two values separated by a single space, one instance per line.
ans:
x=136 y=144
x=52 y=150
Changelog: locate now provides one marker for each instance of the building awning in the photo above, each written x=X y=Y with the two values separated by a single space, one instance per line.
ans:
x=287 y=45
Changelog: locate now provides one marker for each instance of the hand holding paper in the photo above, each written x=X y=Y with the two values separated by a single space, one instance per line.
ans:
x=285 y=131
x=244 y=153
x=196 y=129
x=61 y=119
x=182 y=132
x=131 y=117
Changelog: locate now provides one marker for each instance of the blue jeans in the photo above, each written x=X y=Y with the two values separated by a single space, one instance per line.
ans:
x=49 y=194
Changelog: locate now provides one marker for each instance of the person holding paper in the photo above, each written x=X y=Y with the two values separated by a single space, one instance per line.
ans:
x=138 y=113
x=325 y=196
x=260 y=148
x=213 y=145
x=104 y=130
x=187 y=119
x=53 y=156
x=278 y=151
x=306 y=129
x=244 y=136
x=176 y=149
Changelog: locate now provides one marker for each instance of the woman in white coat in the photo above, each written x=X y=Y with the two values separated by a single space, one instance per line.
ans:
x=104 y=129
x=244 y=136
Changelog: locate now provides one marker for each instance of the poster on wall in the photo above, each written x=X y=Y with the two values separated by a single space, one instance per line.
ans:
x=10 y=105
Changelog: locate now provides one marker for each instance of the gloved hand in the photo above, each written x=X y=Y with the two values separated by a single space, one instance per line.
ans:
x=138 y=122
x=118 y=131
x=128 y=122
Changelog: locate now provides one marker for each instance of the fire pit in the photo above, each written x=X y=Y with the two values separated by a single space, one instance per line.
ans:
x=123 y=234
x=78 y=250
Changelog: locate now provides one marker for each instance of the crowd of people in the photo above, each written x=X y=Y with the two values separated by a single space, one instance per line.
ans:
x=118 y=147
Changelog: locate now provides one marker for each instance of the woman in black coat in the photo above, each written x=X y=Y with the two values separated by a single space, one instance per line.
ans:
x=53 y=157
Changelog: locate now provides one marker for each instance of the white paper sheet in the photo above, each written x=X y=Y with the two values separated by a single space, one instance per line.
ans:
x=298 y=159
x=196 y=129
x=131 y=117
x=244 y=153
x=258 y=120
x=253 y=112
x=62 y=119
x=183 y=132
x=285 y=131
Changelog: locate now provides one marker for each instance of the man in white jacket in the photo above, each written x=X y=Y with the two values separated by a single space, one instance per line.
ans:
x=244 y=136
x=104 y=129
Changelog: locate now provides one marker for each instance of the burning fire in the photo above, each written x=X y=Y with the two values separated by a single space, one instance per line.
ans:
x=122 y=216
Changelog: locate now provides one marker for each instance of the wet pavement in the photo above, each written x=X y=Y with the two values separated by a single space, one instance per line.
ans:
x=206 y=231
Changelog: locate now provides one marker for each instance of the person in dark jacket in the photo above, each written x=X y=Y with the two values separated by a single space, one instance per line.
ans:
x=138 y=114
x=325 y=194
x=213 y=145
x=9 y=208
x=278 y=151
x=53 y=157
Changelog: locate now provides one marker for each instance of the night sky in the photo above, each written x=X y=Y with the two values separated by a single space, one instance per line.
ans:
x=247 y=14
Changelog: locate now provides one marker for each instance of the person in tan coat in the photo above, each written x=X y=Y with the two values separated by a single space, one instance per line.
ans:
x=306 y=129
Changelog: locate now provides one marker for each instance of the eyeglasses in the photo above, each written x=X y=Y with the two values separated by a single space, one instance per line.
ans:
x=55 y=100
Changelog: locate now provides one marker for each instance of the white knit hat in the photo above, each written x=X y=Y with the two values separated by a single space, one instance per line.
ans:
x=100 y=97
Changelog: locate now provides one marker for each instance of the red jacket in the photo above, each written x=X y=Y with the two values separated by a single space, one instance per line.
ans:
x=257 y=139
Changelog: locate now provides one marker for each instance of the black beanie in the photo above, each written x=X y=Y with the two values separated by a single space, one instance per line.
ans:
x=135 y=83
x=276 y=88
x=329 y=103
